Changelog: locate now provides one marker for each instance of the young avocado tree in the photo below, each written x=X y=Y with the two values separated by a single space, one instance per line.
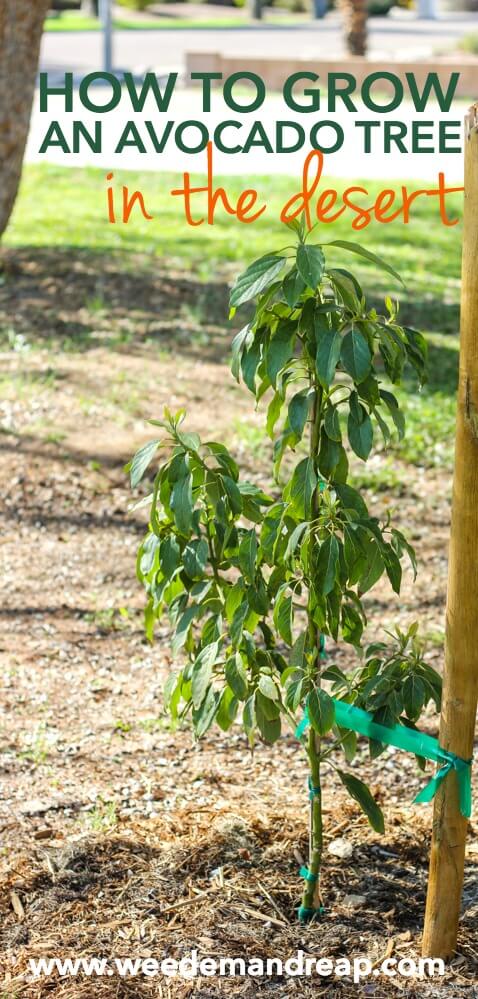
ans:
x=253 y=581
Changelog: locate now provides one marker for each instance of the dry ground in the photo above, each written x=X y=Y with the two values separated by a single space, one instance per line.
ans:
x=119 y=836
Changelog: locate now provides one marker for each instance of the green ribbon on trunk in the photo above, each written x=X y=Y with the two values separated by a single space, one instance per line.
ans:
x=412 y=741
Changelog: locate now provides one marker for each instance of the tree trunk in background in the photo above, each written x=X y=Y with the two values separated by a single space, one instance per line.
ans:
x=355 y=26
x=256 y=9
x=21 y=26
x=91 y=7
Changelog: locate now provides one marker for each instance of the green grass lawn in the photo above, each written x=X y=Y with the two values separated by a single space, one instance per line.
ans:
x=426 y=253
x=66 y=209
x=73 y=21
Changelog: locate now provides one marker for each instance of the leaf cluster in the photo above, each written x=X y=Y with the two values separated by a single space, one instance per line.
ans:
x=250 y=580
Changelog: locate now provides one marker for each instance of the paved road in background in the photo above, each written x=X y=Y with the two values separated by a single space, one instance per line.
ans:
x=400 y=35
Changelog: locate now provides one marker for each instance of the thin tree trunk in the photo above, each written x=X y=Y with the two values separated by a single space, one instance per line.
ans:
x=311 y=898
x=21 y=25
x=256 y=9
x=355 y=26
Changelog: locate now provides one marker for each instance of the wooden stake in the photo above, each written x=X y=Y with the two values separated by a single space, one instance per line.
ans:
x=461 y=647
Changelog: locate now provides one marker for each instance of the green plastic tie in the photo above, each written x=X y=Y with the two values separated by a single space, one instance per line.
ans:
x=308 y=875
x=305 y=913
x=410 y=740
x=314 y=792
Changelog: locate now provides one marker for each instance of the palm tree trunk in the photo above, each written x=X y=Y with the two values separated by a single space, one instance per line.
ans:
x=355 y=26
x=21 y=26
